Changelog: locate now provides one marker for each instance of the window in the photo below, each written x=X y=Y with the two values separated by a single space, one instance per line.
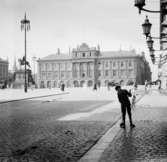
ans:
x=68 y=74
x=90 y=73
x=90 y=54
x=122 y=72
x=106 y=73
x=42 y=67
x=62 y=66
x=76 y=54
x=49 y=75
x=52 y=66
x=83 y=75
x=47 y=66
x=106 y=64
x=91 y=66
x=68 y=66
x=62 y=74
x=114 y=72
x=130 y=72
x=55 y=75
x=130 y=63
x=99 y=73
x=75 y=74
x=114 y=64
x=122 y=64
x=83 y=54
x=43 y=76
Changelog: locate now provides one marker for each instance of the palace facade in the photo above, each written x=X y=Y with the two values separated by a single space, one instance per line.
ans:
x=87 y=66
x=3 y=70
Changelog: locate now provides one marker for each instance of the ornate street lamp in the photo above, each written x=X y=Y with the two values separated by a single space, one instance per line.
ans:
x=146 y=27
x=152 y=53
x=153 y=60
x=141 y=3
x=34 y=59
x=25 y=25
x=150 y=43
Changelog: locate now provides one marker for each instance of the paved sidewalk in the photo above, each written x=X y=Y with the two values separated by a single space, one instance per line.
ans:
x=146 y=142
x=8 y=95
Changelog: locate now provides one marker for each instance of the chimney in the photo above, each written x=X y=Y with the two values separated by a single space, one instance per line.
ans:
x=58 y=51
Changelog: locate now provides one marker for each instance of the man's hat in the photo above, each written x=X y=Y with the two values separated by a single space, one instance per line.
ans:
x=117 y=87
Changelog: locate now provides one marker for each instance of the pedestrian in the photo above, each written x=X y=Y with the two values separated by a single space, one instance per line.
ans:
x=159 y=87
x=123 y=97
x=63 y=87
x=145 y=85
x=133 y=96
x=95 y=87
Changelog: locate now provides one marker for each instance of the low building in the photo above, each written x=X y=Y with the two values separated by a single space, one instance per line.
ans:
x=87 y=66
x=3 y=69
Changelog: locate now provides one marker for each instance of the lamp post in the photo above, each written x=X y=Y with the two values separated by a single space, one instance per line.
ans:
x=25 y=25
x=34 y=59
x=150 y=43
x=141 y=3
x=146 y=27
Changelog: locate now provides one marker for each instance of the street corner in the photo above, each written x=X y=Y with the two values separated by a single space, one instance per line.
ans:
x=145 y=142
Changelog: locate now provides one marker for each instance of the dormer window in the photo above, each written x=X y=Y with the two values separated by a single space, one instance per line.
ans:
x=130 y=63
x=122 y=64
x=83 y=54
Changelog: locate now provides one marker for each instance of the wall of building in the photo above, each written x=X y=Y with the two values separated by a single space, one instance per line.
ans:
x=3 y=70
x=87 y=67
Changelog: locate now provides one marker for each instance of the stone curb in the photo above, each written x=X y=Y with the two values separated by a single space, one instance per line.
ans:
x=94 y=154
x=27 y=98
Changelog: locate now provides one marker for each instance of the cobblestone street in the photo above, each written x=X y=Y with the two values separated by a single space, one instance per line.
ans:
x=147 y=141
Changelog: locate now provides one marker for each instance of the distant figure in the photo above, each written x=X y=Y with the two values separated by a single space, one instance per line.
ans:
x=159 y=86
x=135 y=85
x=62 y=87
x=95 y=87
x=133 y=96
x=123 y=95
x=145 y=85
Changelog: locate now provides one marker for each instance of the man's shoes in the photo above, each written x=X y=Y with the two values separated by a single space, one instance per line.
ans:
x=132 y=125
x=122 y=125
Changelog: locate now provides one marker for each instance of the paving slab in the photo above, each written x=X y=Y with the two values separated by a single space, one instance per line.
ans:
x=146 y=142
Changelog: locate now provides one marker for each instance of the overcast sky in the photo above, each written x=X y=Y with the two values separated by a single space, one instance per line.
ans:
x=64 y=24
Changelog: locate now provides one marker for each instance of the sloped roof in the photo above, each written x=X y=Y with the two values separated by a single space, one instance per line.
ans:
x=1 y=60
x=107 y=54
x=104 y=54
x=57 y=57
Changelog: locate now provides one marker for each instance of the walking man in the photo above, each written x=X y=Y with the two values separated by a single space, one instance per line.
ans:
x=123 y=95
x=133 y=92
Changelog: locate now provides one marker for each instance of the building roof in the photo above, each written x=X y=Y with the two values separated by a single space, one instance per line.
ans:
x=4 y=61
x=104 y=54
x=83 y=47
x=109 y=54
x=57 y=57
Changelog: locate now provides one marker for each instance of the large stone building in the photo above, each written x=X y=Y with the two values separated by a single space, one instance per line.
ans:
x=87 y=66
x=3 y=69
